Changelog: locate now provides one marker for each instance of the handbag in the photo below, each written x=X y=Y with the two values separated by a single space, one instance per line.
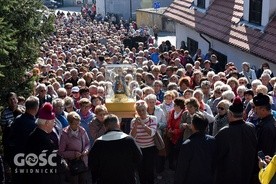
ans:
x=158 y=141
x=77 y=166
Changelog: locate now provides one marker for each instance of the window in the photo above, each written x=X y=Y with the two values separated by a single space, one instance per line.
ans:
x=192 y=46
x=255 y=11
x=221 y=57
x=201 y=4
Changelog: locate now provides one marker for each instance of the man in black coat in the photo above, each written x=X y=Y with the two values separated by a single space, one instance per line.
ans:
x=197 y=155
x=39 y=143
x=114 y=156
x=24 y=125
x=236 y=149
x=266 y=126
x=20 y=131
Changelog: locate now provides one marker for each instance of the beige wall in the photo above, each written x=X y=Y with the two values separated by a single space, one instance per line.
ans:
x=150 y=17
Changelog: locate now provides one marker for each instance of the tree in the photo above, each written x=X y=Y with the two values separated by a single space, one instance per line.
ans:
x=24 y=25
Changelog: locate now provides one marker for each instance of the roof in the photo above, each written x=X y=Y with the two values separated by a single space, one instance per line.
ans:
x=222 y=22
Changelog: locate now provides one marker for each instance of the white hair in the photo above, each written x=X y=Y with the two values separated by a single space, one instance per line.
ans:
x=150 y=97
x=226 y=87
x=218 y=83
x=241 y=88
x=40 y=121
x=228 y=95
x=256 y=82
x=210 y=74
x=41 y=86
x=268 y=71
x=198 y=91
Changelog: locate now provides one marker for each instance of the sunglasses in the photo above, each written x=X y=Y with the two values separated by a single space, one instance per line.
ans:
x=221 y=108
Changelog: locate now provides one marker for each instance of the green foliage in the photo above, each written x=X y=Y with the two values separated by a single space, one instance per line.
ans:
x=24 y=25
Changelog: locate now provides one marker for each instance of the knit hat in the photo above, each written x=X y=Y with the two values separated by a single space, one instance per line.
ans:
x=237 y=106
x=46 y=112
x=261 y=100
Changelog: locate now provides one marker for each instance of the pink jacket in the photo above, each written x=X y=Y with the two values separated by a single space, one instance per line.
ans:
x=70 y=144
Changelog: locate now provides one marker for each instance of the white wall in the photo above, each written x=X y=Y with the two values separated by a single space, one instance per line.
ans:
x=233 y=54
x=265 y=12
x=182 y=32
x=246 y=10
x=100 y=6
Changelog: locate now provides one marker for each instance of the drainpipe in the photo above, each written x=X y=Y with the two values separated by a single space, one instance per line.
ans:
x=209 y=43
x=104 y=7
x=130 y=9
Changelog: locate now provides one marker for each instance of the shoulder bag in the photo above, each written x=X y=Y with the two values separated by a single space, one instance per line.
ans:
x=77 y=166
x=158 y=140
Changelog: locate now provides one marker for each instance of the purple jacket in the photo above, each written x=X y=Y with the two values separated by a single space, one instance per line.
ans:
x=70 y=144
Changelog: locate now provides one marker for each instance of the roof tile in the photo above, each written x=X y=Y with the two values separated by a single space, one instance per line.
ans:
x=221 y=21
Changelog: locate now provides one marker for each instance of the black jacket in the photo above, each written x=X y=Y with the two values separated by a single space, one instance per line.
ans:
x=236 y=153
x=266 y=135
x=38 y=142
x=22 y=127
x=196 y=160
x=114 y=158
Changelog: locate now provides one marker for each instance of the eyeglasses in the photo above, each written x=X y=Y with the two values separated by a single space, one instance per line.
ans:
x=221 y=108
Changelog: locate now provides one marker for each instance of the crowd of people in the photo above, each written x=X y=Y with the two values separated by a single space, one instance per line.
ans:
x=213 y=118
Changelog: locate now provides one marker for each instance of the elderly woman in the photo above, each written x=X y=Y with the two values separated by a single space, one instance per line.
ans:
x=240 y=91
x=74 y=144
x=86 y=115
x=198 y=94
x=192 y=106
x=168 y=103
x=69 y=104
x=96 y=126
x=161 y=124
x=221 y=119
x=206 y=90
x=174 y=133
x=96 y=100
x=233 y=83
x=247 y=72
x=215 y=95
x=143 y=129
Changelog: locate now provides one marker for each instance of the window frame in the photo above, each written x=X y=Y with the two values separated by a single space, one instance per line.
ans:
x=201 y=4
x=192 y=45
x=255 y=11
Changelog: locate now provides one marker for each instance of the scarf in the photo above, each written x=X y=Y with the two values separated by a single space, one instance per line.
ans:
x=177 y=114
x=75 y=133
x=169 y=107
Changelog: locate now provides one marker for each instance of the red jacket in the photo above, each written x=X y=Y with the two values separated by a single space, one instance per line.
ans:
x=174 y=125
